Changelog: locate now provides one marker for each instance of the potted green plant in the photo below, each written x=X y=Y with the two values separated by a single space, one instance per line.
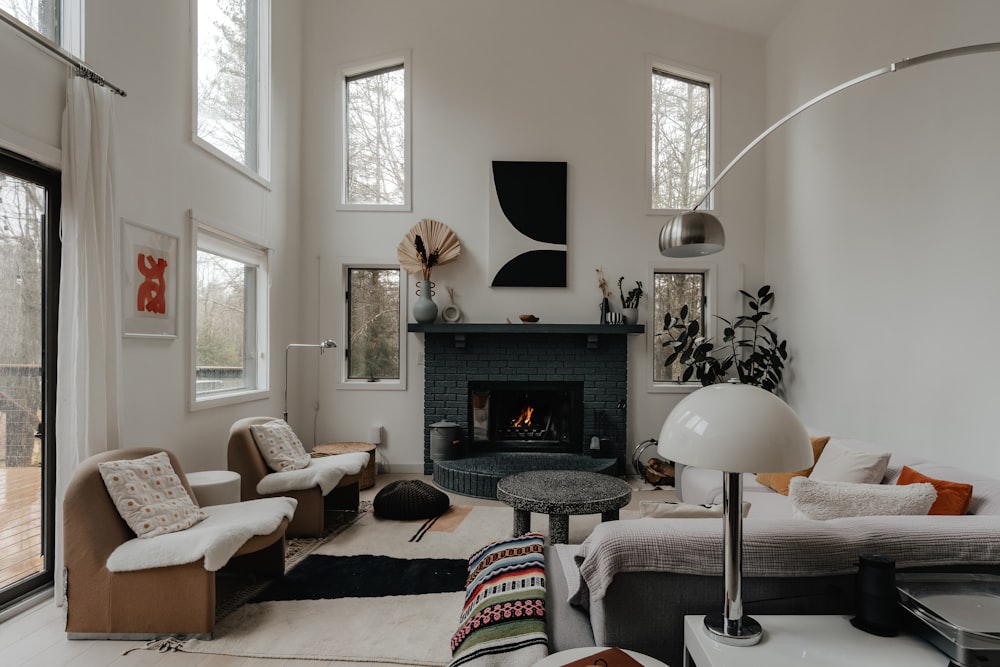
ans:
x=750 y=347
x=630 y=301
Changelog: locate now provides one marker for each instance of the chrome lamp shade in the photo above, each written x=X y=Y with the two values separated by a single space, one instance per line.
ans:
x=734 y=428
x=692 y=234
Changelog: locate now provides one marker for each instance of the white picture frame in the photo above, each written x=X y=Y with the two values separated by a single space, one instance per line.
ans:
x=150 y=266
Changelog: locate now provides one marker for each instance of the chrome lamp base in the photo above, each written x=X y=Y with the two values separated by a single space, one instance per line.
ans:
x=745 y=632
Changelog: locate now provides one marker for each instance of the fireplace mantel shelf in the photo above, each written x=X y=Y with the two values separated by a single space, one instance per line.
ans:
x=528 y=328
x=591 y=331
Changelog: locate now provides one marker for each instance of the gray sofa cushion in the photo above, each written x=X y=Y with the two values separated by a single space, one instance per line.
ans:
x=568 y=626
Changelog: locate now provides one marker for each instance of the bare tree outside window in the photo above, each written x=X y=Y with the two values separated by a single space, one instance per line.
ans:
x=221 y=322
x=228 y=78
x=41 y=15
x=680 y=141
x=373 y=324
x=376 y=137
x=22 y=219
x=671 y=292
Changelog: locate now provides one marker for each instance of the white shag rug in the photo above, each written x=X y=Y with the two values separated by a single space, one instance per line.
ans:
x=371 y=631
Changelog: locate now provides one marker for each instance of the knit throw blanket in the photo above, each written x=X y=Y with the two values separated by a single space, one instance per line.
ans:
x=503 y=619
x=779 y=547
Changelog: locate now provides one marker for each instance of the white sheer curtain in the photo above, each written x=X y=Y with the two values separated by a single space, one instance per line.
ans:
x=88 y=392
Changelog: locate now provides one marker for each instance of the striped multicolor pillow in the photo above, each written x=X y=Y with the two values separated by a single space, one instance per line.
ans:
x=503 y=619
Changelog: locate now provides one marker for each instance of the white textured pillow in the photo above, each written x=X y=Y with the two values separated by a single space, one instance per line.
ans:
x=669 y=510
x=280 y=447
x=149 y=495
x=812 y=499
x=838 y=463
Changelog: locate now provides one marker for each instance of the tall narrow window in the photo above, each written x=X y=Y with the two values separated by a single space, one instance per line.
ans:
x=29 y=286
x=233 y=75
x=39 y=15
x=375 y=322
x=672 y=291
x=679 y=144
x=230 y=316
x=376 y=137
x=59 y=21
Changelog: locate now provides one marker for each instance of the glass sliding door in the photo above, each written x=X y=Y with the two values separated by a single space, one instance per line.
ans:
x=29 y=260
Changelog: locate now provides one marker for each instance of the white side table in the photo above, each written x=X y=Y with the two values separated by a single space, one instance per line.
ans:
x=215 y=487
x=562 y=657
x=816 y=641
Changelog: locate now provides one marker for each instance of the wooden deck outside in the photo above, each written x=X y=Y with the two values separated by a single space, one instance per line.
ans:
x=21 y=531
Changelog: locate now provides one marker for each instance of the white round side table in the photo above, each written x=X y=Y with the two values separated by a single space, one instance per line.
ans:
x=215 y=487
x=562 y=657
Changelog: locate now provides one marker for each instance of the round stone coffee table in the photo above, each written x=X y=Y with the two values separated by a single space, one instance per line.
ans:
x=560 y=493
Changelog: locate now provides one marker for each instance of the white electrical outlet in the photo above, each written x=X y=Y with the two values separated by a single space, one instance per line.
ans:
x=375 y=437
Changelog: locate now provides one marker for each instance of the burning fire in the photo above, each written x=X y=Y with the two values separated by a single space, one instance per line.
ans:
x=524 y=419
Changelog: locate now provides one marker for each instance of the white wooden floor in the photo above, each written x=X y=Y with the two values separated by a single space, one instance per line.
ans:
x=36 y=637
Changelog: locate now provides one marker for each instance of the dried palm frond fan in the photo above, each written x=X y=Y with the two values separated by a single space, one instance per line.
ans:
x=427 y=244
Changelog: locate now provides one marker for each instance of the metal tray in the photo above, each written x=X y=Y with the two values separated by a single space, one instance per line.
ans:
x=958 y=613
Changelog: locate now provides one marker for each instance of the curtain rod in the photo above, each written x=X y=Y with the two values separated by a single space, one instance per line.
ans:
x=80 y=68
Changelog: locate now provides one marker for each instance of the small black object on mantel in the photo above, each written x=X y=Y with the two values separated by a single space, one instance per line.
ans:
x=876 y=597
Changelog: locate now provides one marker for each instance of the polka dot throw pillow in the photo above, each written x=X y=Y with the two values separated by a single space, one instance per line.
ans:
x=149 y=495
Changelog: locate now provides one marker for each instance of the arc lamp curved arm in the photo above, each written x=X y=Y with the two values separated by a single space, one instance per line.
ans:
x=695 y=233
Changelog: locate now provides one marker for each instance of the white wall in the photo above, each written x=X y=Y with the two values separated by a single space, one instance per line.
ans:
x=881 y=235
x=145 y=48
x=492 y=79
x=513 y=80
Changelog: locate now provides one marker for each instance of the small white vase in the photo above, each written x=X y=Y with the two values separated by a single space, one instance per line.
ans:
x=630 y=315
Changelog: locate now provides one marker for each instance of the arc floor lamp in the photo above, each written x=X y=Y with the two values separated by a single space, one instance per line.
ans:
x=740 y=428
x=323 y=346
x=695 y=233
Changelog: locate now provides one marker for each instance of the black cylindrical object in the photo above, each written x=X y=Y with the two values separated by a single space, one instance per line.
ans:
x=876 y=597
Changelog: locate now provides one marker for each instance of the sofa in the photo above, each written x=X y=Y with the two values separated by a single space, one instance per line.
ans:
x=631 y=582
x=244 y=457
x=120 y=586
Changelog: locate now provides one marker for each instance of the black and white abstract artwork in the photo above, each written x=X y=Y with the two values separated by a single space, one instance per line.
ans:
x=528 y=224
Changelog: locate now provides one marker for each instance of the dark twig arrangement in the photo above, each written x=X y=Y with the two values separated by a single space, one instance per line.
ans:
x=426 y=261
x=631 y=300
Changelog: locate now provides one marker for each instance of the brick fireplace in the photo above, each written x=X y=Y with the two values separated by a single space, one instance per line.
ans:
x=592 y=360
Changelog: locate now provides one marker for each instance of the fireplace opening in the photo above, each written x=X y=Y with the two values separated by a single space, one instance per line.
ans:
x=526 y=416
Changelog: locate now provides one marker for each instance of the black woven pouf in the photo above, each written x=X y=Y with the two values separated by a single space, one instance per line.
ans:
x=410 y=499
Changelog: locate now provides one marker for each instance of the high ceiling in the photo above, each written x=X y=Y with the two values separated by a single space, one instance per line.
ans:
x=756 y=17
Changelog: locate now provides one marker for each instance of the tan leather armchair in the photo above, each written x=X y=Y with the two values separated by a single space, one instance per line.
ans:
x=309 y=520
x=141 y=604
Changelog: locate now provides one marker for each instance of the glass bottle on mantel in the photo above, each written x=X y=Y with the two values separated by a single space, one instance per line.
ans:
x=605 y=309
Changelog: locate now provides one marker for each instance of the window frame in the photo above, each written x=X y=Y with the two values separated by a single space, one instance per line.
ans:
x=709 y=271
x=236 y=247
x=346 y=382
x=712 y=80
x=68 y=23
x=262 y=173
x=353 y=70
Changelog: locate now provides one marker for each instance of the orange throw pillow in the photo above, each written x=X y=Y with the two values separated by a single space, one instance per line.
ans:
x=953 y=498
x=779 y=481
